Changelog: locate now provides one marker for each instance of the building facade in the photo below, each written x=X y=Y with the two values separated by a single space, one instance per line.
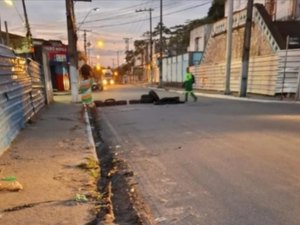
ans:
x=278 y=9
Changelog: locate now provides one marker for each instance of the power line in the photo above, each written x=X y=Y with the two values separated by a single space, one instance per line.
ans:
x=168 y=14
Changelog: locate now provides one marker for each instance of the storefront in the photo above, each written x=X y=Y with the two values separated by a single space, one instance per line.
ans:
x=58 y=65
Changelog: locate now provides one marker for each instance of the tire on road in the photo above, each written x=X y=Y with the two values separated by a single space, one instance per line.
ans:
x=154 y=95
x=147 y=99
x=121 y=102
x=168 y=100
x=110 y=102
x=99 y=103
x=134 y=101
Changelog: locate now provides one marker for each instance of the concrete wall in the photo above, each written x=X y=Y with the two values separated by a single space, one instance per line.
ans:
x=268 y=74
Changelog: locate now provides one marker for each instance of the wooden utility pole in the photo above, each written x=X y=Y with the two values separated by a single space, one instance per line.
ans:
x=161 y=45
x=72 y=49
x=7 y=42
x=150 y=37
x=1 y=39
x=28 y=31
x=246 y=50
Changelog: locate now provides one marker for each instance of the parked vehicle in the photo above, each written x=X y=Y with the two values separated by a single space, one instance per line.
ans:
x=97 y=85
x=108 y=78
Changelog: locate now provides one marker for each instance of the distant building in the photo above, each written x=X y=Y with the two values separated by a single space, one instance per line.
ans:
x=199 y=37
x=274 y=50
x=278 y=9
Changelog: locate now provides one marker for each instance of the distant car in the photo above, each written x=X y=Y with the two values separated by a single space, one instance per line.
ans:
x=108 y=78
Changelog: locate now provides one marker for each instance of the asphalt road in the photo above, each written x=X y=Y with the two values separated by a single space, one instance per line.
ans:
x=213 y=162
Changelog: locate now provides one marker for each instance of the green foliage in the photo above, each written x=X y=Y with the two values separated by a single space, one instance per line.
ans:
x=216 y=11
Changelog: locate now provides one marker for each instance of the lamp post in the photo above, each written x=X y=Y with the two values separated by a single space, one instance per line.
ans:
x=86 y=16
x=28 y=31
x=85 y=31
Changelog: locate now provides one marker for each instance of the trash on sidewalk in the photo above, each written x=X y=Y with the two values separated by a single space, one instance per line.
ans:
x=10 y=183
x=80 y=198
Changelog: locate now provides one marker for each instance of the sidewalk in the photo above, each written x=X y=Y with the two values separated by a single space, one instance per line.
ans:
x=44 y=158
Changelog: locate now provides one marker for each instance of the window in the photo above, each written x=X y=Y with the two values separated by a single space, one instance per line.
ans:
x=197 y=43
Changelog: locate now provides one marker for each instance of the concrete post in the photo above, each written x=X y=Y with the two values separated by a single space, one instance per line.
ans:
x=229 y=46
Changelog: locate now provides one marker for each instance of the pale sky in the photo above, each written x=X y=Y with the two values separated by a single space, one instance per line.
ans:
x=115 y=21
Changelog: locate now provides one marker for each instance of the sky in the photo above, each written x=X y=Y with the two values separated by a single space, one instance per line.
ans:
x=114 y=21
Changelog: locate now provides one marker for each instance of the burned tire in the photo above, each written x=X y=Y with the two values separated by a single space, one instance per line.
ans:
x=121 y=102
x=110 y=102
x=147 y=99
x=168 y=100
x=154 y=95
x=99 y=103
x=134 y=101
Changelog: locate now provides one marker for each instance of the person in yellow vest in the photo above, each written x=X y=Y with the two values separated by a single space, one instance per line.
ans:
x=85 y=88
x=188 y=85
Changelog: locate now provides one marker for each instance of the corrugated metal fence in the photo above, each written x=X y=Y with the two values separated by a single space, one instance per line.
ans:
x=174 y=69
x=21 y=94
x=288 y=71
x=268 y=75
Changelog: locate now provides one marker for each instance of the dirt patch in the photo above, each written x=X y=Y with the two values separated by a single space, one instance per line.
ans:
x=121 y=202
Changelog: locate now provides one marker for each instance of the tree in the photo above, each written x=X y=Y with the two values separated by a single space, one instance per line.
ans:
x=176 y=39
x=216 y=11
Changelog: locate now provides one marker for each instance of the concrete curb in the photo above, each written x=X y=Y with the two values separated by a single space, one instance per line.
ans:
x=227 y=97
x=90 y=134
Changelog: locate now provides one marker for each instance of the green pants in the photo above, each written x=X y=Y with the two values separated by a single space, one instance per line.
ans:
x=192 y=94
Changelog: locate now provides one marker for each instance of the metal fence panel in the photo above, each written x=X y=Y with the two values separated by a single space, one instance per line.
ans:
x=288 y=71
x=21 y=94
x=262 y=75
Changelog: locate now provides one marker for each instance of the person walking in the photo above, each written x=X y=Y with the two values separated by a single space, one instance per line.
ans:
x=188 y=85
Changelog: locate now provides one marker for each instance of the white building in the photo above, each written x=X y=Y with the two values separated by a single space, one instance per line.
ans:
x=279 y=9
x=199 y=37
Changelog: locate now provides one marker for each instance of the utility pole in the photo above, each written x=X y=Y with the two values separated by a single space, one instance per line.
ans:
x=7 y=42
x=150 y=37
x=246 y=50
x=161 y=45
x=28 y=32
x=118 y=63
x=85 y=41
x=228 y=46
x=72 y=49
x=126 y=44
x=1 y=39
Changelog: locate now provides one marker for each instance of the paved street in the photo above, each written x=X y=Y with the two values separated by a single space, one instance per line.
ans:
x=213 y=162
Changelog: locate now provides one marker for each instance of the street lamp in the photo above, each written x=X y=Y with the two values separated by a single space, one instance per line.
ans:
x=9 y=2
x=84 y=34
x=28 y=32
x=89 y=12
x=100 y=44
